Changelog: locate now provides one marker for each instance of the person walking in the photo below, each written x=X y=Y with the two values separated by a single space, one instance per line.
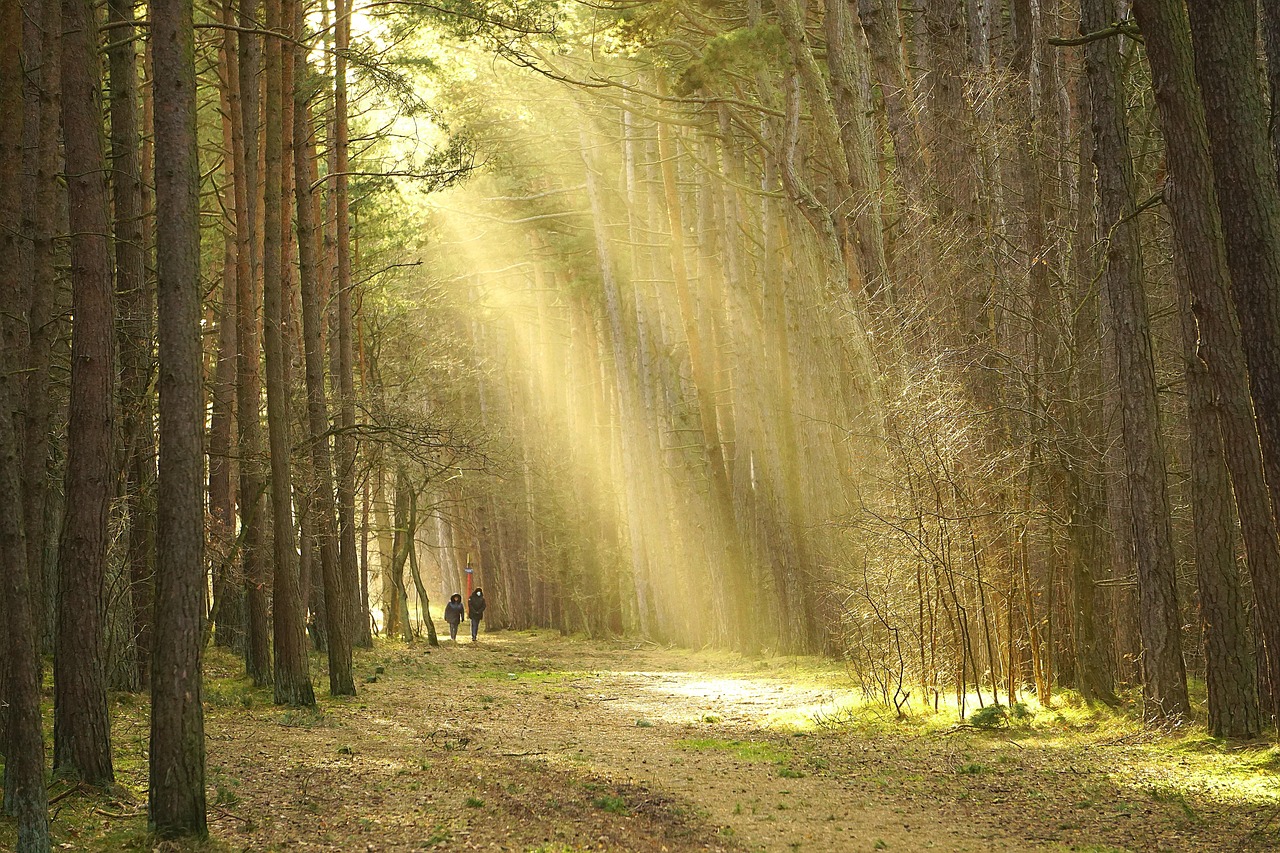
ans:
x=475 y=611
x=453 y=615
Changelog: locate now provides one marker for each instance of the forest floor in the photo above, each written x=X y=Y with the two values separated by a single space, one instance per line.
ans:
x=535 y=743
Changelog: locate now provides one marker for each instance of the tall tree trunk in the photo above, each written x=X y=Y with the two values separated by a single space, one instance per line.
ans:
x=1223 y=35
x=1193 y=203
x=292 y=683
x=82 y=732
x=337 y=617
x=248 y=383
x=845 y=53
x=226 y=592
x=1231 y=677
x=346 y=441
x=135 y=327
x=21 y=733
x=43 y=319
x=176 y=802
x=725 y=591
x=1163 y=673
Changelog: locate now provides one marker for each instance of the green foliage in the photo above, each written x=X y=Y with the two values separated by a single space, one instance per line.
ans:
x=744 y=51
x=990 y=717
x=474 y=803
x=612 y=804
x=748 y=750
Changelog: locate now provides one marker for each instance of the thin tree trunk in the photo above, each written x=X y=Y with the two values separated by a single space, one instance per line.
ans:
x=226 y=592
x=292 y=683
x=346 y=442
x=337 y=617
x=135 y=328
x=423 y=600
x=248 y=383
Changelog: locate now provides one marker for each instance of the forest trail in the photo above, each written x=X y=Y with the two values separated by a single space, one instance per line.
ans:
x=531 y=742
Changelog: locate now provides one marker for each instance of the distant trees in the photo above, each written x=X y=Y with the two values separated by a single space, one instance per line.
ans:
x=985 y=318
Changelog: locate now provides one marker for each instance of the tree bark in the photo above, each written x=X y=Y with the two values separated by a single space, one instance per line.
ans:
x=134 y=328
x=1231 y=677
x=292 y=683
x=1193 y=205
x=248 y=383
x=226 y=591
x=21 y=733
x=337 y=617
x=1163 y=673
x=1223 y=34
x=82 y=732
x=346 y=442
x=176 y=802
x=43 y=325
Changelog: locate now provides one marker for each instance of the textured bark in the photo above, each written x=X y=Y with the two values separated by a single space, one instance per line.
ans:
x=1271 y=41
x=346 y=442
x=1223 y=34
x=134 y=328
x=845 y=53
x=1082 y=492
x=337 y=617
x=248 y=382
x=1231 y=677
x=226 y=590
x=1193 y=203
x=880 y=22
x=292 y=683
x=21 y=734
x=43 y=319
x=1163 y=673
x=82 y=733
x=176 y=801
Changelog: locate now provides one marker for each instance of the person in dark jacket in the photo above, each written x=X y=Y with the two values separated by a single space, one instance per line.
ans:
x=475 y=611
x=453 y=615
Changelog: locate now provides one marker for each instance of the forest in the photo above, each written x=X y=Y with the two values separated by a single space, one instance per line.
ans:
x=920 y=358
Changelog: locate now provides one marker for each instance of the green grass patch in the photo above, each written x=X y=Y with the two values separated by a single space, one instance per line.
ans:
x=747 y=750
x=533 y=676
x=611 y=804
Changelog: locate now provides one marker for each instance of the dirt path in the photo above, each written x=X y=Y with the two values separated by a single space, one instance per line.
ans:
x=533 y=743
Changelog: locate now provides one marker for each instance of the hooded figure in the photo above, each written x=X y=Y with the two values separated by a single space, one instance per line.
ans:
x=475 y=611
x=453 y=615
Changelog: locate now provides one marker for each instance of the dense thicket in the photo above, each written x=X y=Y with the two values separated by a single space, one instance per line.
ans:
x=940 y=337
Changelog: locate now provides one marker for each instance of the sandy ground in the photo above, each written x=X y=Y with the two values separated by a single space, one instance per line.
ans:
x=529 y=742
